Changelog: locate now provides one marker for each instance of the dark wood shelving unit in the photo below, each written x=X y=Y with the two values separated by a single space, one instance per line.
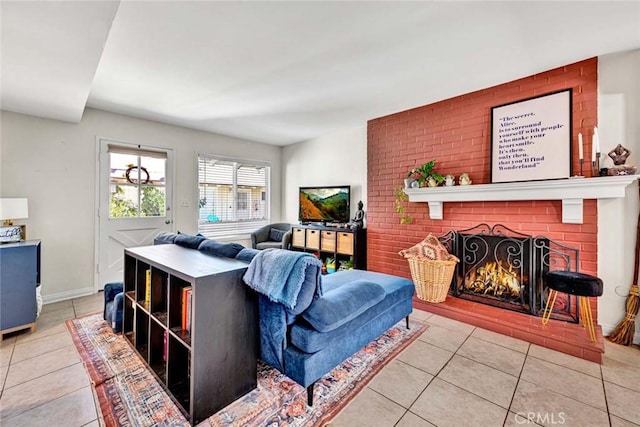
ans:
x=215 y=363
x=339 y=243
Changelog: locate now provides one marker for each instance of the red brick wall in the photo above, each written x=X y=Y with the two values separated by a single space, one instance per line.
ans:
x=456 y=132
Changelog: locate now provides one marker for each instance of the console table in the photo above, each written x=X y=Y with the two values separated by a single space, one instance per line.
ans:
x=214 y=361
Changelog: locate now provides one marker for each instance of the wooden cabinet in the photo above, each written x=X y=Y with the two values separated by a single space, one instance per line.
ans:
x=210 y=362
x=339 y=243
x=19 y=277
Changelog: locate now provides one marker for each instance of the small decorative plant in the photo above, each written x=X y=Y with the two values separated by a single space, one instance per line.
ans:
x=401 y=198
x=423 y=173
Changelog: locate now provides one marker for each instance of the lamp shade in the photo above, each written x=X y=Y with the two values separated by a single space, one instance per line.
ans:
x=14 y=209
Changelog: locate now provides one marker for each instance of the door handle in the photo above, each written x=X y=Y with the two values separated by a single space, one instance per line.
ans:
x=168 y=221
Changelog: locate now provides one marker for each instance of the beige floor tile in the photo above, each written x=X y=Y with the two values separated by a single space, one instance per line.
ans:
x=95 y=423
x=7 y=340
x=41 y=390
x=55 y=306
x=622 y=353
x=566 y=360
x=447 y=323
x=426 y=357
x=84 y=309
x=46 y=344
x=546 y=407
x=93 y=298
x=515 y=420
x=55 y=319
x=448 y=339
x=43 y=330
x=502 y=340
x=3 y=376
x=412 y=420
x=369 y=409
x=400 y=382
x=494 y=355
x=420 y=315
x=567 y=382
x=73 y=409
x=41 y=365
x=6 y=353
x=623 y=402
x=445 y=405
x=621 y=365
x=619 y=422
x=488 y=383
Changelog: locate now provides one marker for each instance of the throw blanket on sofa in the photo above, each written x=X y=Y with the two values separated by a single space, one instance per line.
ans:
x=279 y=274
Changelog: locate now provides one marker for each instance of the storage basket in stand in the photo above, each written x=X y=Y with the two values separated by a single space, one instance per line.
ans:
x=432 y=277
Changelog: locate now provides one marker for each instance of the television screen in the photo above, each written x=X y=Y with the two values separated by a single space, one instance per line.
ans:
x=329 y=204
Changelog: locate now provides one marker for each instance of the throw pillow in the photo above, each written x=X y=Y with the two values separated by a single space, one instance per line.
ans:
x=164 y=238
x=429 y=248
x=188 y=240
x=211 y=247
x=276 y=235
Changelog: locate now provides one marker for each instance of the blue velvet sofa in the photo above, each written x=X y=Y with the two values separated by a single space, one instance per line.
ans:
x=333 y=316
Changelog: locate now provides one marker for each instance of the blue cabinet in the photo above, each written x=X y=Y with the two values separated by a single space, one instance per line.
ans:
x=19 y=276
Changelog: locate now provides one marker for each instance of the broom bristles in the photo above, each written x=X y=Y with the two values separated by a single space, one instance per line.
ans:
x=625 y=331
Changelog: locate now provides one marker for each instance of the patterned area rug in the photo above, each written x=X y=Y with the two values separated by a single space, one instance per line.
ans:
x=129 y=394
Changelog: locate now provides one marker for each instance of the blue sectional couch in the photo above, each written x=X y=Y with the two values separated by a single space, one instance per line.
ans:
x=331 y=316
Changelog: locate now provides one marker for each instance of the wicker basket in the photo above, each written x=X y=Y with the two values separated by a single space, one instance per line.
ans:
x=432 y=278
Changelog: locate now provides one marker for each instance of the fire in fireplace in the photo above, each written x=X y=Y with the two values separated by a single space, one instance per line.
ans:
x=502 y=267
x=493 y=280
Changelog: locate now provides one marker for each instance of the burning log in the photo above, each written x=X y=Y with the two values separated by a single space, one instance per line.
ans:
x=494 y=280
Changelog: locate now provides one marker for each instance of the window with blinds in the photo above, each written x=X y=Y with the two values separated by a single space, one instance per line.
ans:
x=234 y=196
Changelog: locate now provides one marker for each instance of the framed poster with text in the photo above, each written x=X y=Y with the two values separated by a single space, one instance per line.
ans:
x=531 y=138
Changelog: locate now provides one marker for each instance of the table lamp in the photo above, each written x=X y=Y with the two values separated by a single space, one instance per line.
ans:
x=10 y=209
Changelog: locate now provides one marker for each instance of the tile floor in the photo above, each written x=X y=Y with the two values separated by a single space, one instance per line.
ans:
x=454 y=375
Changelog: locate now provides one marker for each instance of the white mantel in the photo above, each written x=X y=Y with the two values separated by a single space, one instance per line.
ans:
x=571 y=191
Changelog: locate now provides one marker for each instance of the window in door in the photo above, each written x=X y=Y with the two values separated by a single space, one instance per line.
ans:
x=233 y=197
x=137 y=183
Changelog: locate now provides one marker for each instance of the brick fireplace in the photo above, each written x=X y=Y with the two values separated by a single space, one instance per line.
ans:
x=456 y=132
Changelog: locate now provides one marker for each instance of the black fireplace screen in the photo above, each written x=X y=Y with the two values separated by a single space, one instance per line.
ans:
x=504 y=268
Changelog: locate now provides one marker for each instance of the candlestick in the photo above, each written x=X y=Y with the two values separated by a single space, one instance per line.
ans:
x=594 y=139
x=580 y=149
x=581 y=166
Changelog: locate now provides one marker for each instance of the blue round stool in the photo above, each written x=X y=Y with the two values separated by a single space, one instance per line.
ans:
x=573 y=283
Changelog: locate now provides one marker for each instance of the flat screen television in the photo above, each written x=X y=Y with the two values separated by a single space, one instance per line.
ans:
x=324 y=204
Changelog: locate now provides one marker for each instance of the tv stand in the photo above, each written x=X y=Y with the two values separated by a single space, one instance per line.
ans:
x=336 y=242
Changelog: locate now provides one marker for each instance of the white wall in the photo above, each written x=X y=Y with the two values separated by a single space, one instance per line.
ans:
x=618 y=112
x=336 y=159
x=53 y=164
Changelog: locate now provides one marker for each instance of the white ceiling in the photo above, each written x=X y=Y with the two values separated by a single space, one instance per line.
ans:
x=283 y=72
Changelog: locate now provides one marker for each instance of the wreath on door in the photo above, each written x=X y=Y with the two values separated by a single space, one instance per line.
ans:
x=142 y=170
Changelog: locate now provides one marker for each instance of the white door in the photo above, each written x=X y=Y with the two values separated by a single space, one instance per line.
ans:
x=134 y=203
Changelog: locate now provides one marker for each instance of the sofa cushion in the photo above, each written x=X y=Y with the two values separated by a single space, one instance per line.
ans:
x=339 y=306
x=188 y=240
x=211 y=247
x=164 y=238
x=276 y=235
x=397 y=289
x=268 y=245
x=247 y=254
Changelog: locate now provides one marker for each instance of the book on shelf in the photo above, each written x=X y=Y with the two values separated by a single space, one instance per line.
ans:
x=186 y=308
x=189 y=309
x=147 y=285
x=164 y=347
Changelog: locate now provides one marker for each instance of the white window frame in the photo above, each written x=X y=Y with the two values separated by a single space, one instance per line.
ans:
x=236 y=227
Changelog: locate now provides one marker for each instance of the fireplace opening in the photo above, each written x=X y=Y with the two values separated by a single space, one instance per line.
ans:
x=504 y=268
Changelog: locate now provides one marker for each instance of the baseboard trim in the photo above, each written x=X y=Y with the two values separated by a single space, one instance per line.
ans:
x=63 y=296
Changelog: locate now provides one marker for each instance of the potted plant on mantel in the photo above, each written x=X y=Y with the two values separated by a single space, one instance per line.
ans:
x=425 y=175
